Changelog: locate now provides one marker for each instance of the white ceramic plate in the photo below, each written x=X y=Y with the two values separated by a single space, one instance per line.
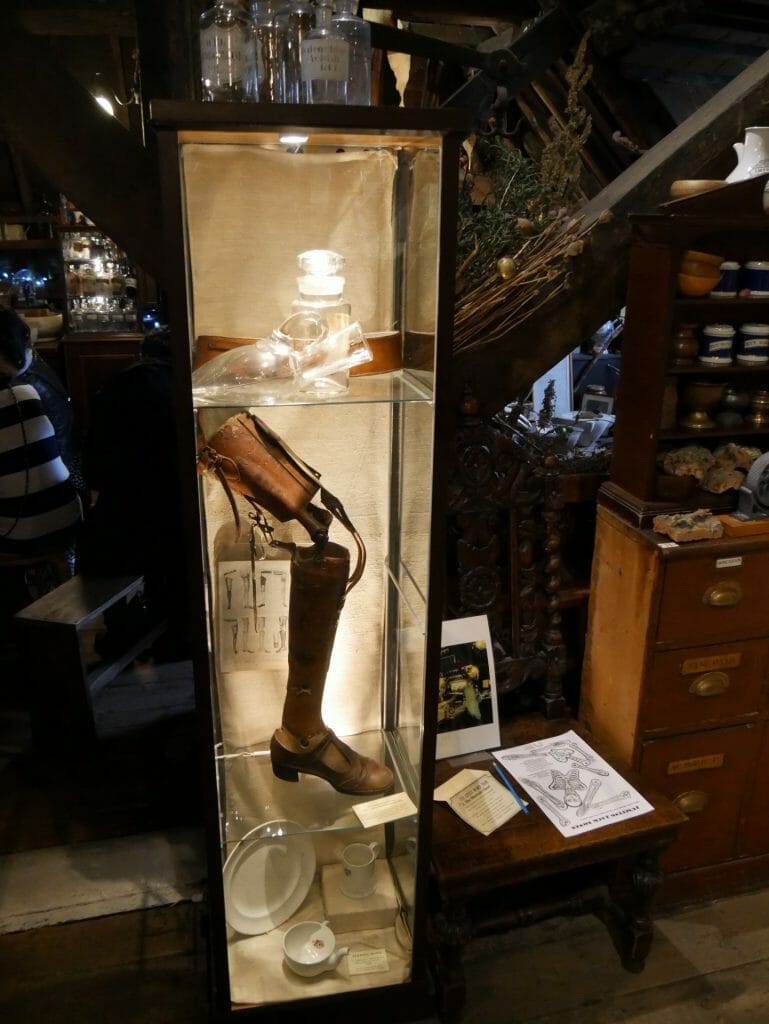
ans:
x=267 y=876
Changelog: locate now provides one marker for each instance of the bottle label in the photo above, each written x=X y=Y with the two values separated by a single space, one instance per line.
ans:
x=325 y=60
x=221 y=55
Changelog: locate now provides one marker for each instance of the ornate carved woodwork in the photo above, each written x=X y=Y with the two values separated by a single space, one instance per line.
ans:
x=508 y=515
x=492 y=496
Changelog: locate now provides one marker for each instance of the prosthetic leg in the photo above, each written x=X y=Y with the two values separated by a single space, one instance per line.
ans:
x=249 y=459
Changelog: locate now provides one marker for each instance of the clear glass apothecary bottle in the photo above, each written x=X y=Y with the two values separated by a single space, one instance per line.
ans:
x=325 y=59
x=227 y=56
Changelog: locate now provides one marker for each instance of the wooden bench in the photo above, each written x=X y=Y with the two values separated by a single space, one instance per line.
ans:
x=526 y=871
x=60 y=681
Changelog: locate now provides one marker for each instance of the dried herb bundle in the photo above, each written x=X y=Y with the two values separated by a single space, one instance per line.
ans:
x=560 y=161
x=516 y=235
x=491 y=308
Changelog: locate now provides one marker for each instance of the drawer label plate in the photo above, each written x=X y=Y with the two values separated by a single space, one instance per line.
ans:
x=729 y=563
x=690 y=666
x=696 y=764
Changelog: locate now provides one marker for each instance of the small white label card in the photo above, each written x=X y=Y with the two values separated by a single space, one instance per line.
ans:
x=478 y=799
x=387 y=808
x=729 y=563
x=367 y=961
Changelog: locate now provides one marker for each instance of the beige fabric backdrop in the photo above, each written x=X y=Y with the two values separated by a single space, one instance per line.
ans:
x=252 y=210
x=422 y=251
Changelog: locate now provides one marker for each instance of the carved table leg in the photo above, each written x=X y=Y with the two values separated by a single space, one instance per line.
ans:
x=628 y=915
x=554 y=703
x=451 y=930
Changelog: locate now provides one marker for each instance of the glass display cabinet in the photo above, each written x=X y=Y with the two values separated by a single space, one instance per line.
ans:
x=311 y=297
x=100 y=281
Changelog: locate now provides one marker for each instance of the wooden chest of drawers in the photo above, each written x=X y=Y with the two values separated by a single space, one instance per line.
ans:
x=676 y=680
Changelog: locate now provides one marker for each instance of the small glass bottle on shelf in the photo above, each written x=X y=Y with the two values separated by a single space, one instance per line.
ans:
x=294 y=22
x=357 y=32
x=269 y=51
x=325 y=59
x=227 y=56
x=320 y=290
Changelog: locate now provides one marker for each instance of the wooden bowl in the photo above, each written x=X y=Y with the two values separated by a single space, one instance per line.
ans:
x=695 y=256
x=695 y=286
x=702 y=395
x=694 y=187
x=697 y=268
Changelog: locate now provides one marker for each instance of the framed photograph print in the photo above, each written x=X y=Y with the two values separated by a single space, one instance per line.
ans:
x=468 y=719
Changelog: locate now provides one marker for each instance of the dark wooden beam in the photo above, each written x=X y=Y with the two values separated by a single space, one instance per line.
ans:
x=58 y=128
x=76 y=23
x=498 y=373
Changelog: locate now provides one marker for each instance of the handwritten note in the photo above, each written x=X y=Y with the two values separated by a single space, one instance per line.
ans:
x=479 y=799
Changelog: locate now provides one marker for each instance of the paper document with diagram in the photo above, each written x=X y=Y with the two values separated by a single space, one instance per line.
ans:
x=574 y=787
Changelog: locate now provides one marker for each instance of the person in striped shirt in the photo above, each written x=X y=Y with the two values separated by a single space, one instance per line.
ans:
x=39 y=506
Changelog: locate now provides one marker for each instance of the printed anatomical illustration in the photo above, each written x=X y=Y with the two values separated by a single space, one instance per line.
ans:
x=572 y=784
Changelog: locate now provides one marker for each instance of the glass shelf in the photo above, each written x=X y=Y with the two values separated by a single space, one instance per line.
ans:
x=255 y=795
x=401 y=386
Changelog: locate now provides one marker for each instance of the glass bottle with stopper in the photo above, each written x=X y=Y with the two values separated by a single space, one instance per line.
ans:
x=357 y=32
x=269 y=51
x=294 y=22
x=321 y=286
x=227 y=59
x=325 y=59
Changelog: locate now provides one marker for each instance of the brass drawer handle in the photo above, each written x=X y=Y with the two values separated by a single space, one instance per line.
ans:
x=724 y=594
x=710 y=684
x=691 y=802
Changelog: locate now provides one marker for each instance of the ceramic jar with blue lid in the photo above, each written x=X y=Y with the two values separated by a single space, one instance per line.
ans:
x=716 y=342
x=729 y=282
x=756 y=278
x=751 y=344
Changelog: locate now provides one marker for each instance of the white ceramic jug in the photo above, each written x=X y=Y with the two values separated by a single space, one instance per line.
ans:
x=752 y=155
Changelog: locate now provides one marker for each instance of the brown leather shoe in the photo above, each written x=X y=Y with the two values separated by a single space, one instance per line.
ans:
x=329 y=759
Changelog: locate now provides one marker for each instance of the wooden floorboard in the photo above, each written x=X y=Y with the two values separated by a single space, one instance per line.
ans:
x=140 y=777
x=708 y=964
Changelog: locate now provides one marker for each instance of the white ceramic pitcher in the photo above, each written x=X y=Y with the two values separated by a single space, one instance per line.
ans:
x=752 y=155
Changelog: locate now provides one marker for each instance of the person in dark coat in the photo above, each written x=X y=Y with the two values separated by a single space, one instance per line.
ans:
x=134 y=523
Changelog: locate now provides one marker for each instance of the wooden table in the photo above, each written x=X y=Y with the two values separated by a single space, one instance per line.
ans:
x=527 y=871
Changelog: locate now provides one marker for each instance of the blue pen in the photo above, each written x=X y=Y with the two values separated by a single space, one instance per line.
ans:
x=508 y=783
